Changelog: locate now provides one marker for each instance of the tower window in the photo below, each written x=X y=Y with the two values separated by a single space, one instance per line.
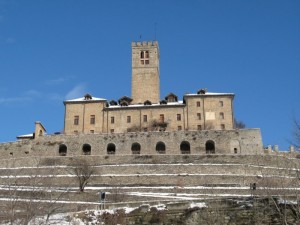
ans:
x=199 y=127
x=112 y=119
x=198 y=104
x=128 y=119
x=221 y=103
x=144 y=57
x=76 y=120
x=222 y=126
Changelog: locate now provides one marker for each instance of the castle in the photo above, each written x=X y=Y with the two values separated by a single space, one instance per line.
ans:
x=200 y=123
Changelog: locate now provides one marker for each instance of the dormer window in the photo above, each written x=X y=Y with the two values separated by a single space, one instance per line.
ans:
x=125 y=101
x=144 y=57
x=171 y=98
x=202 y=91
x=147 y=102
x=163 y=102
x=88 y=97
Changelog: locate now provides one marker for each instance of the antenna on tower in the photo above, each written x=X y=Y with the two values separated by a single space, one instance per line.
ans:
x=155 y=31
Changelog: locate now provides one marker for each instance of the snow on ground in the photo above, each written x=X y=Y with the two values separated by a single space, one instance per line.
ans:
x=145 y=175
x=152 y=164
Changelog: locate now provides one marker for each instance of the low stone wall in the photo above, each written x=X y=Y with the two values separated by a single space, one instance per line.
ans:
x=242 y=142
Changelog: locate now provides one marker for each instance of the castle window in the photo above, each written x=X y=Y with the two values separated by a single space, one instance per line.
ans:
x=222 y=126
x=128 y=119
x=62 y=150
x=235 y=150
x=210 y=147
x=145 y=118
x=221 y=116
x=111 y=149
x=185 y=147
x=92 y=119
x=112 y=131
x=86 y=149
x=75 y=131
x=178 y=117
x=144 y=57
x=179 y=128
x=221 y=103
x=198 y=104
x=199 y=116
x=76 y=120
x=145 y=129
x=40 y=133
x=136 y=148
x=92 y=131
x=112 y=119
x=199 y=127
x=160 y=148
x=161 y=118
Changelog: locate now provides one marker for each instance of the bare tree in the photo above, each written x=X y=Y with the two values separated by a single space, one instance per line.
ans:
x=29 y=194
x=82 y=171
x=238 y=124
x=296 y=133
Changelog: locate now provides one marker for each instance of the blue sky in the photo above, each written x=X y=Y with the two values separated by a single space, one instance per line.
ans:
x=52 y=50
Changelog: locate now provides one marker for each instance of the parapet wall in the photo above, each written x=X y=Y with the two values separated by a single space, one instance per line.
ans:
x=244 y=142
x=144 y=43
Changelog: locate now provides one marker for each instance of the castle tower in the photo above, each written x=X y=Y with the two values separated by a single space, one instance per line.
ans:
x=145 y=72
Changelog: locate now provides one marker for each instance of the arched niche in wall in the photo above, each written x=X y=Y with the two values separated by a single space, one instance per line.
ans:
x=111 y=149
x=136 y=148
x=185 y=147
x=62 y=150
x=210 y=147
x=160 y=148
x=87 y=149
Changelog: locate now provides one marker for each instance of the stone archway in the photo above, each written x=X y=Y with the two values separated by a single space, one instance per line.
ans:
x=62 y=150
x=185 y=147
x=111 y=149
x=210 y=147
x=86 y=149
x=136 y=148
x=160 y=148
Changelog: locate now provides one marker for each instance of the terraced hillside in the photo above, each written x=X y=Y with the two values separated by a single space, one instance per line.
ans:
x=50 y=184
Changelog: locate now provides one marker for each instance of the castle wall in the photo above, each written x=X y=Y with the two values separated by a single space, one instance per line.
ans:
x=245 y=141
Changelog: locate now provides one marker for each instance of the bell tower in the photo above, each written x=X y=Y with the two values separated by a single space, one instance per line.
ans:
x=145 y=72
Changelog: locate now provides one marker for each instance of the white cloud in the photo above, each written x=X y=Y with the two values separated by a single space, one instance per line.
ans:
x=14 y=100
x=56 y=81
x=33 y=94
x=77 y=92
